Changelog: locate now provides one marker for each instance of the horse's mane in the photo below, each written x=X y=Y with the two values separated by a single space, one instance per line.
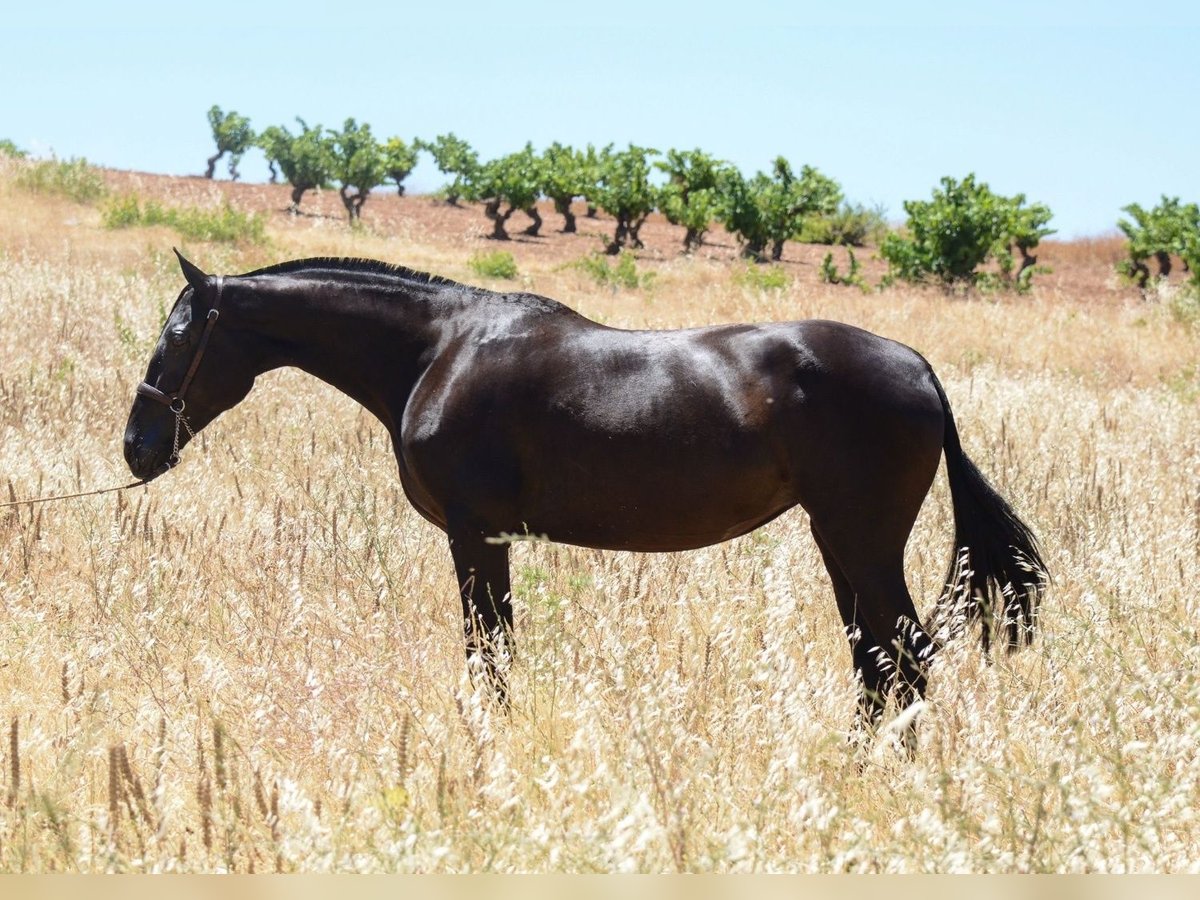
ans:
x=354 y=265
x=390 y=273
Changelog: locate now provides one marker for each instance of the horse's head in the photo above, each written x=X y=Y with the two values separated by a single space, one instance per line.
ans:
x=195 y=374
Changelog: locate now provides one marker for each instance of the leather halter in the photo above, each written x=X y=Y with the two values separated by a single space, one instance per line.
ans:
x=174 y=401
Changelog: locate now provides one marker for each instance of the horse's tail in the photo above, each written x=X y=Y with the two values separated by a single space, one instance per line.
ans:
x=995 y=554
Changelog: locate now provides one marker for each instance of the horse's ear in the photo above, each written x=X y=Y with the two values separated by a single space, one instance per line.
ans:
x=194 y=276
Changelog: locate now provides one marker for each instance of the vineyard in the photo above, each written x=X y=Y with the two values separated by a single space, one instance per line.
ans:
x=254 y=664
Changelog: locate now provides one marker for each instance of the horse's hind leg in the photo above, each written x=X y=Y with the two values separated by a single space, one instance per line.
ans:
x=875 y=683
x=871 y=562
x=862 y=517
x=483 y=580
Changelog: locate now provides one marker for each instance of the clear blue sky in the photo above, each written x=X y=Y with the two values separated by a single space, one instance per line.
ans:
x=1083 y=106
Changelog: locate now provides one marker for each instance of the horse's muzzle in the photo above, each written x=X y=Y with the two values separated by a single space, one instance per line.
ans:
x=146 y=459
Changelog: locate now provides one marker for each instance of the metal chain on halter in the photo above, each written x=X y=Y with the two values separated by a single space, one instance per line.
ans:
x=180 y=419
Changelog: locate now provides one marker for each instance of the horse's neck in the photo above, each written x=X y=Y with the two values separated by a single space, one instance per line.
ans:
x=369 y=347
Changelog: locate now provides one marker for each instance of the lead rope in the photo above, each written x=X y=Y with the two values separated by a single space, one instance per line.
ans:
x=108 y=490
x=180 y=421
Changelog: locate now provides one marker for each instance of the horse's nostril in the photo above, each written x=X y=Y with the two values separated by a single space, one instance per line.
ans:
x=138 y=456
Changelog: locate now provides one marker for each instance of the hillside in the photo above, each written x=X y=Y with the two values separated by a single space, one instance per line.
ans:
x=1080 y=269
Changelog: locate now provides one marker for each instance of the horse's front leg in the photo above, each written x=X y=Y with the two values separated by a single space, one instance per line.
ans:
x=482 y=572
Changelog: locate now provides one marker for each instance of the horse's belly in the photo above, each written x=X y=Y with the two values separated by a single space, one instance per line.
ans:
x=666 y=505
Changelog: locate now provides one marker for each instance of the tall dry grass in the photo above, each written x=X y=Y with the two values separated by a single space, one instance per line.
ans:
x=255 y=664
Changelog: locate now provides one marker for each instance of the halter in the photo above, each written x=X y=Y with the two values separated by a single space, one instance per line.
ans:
x=174 y=401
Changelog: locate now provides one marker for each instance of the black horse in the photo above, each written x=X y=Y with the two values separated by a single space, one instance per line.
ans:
x=511 y=414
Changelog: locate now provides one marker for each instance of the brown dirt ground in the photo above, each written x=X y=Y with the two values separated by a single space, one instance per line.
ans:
x=1081 y=268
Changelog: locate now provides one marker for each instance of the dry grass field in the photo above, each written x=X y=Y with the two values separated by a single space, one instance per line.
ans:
x=255 y=663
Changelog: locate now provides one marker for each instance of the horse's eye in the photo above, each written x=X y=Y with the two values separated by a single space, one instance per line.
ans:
x=177 y=338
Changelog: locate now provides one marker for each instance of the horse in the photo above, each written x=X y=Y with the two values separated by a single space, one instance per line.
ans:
x=512 y=414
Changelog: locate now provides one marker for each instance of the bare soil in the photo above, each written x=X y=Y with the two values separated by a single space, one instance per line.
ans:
x=1082 y=269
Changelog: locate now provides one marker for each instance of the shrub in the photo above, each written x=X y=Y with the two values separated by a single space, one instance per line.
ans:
x=742 y=210
x=851 y=225
x=223 y=225
x=1169 y=229
x=1184 y=305
x=623 y=190
x=233 y=135
x=771 y=209
x=1190 y=254
x=123 y=212
x=399 y=159
x=565 y=176
x=691 y=195
x=831 y=275
x=965 y=224
x=357 y=164
x=762 y=278
x=8 y=148
x=72 y=178
x=513 y=181
x=306 y=159
x=453 y=156
x=621 y=274
x=499 y=264
x=593 y=162
x=1024 y=229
